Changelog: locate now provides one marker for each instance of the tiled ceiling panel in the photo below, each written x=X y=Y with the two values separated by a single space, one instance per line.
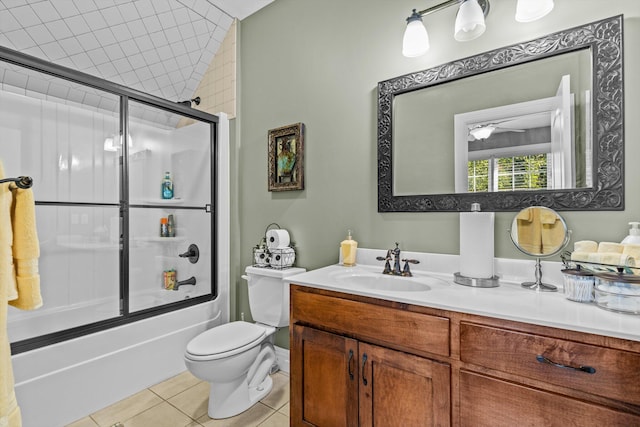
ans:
x=162 y=47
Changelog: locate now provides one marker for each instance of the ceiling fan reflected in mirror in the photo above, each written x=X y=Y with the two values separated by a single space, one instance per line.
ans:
x=481 y=131
x=484 y=131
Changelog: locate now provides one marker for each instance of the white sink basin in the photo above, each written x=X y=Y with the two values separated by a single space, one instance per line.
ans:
x=381 y=282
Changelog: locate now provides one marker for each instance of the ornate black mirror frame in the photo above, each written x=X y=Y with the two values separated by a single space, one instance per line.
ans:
x=604 y=38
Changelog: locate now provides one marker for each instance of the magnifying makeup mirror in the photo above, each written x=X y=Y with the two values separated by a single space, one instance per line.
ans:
x=539 y=232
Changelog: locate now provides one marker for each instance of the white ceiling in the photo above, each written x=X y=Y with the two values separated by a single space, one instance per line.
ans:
x=161 y=47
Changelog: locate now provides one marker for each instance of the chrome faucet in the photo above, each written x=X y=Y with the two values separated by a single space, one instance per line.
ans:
x=394 y=254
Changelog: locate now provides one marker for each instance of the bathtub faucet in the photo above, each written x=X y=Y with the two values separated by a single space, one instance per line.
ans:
x=190 y=281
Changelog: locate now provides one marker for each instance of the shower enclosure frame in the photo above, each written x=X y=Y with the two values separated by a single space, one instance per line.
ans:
x=125 y=94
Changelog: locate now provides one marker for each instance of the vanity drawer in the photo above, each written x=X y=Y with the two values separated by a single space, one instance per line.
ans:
x=491 y=402
x=396 y=328
x=616 y=375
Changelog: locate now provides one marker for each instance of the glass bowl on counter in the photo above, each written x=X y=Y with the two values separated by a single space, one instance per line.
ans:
x=578 y=284
x=617 y=292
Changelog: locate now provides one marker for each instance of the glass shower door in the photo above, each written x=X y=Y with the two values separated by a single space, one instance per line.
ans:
x=170 y=234
x=55 y=130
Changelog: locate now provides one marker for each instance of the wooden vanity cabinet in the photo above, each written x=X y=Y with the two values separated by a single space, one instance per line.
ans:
x=434 y=367
x=540 y=376
x=339 y=379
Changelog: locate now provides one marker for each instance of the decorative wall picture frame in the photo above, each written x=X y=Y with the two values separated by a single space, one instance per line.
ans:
x=286 y=158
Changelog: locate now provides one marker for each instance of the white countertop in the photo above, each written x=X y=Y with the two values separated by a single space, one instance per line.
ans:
x=508 y=301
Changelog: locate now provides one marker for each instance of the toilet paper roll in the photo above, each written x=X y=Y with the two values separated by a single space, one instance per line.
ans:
x=277 y=239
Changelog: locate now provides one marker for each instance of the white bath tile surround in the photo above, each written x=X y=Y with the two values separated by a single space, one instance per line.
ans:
x=79 y=245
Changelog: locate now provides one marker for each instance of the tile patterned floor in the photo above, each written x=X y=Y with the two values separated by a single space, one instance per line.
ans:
x=181 y=401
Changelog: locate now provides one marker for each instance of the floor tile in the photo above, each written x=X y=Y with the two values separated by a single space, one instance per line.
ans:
x=194 y=401
x=285 y=410
x=175 y=385
x=182 y=401
x=252 y=417
x=162 y=415
x=126 y=408
x=279 y=395
x=85 y=422
x=276 y=420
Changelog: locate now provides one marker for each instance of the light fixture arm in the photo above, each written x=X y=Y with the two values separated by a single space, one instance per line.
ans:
x=484 y=4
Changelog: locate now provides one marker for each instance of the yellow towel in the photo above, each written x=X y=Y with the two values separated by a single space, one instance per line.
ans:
x=9 y=410
x=529 y=232
x=553 y=232
x=19 y=251
x=26 y=250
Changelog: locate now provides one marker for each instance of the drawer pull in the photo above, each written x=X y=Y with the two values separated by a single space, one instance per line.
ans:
x=364 y=360
x=588 y=369
x=349 y=365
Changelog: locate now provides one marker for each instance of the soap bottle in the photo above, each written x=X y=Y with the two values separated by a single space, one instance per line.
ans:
x=171 y=226
x=167 y=186
x=164 y=228
x=348 y=249
x=634 y=234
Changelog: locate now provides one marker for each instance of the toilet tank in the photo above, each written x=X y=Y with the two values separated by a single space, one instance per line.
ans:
x=269 y=294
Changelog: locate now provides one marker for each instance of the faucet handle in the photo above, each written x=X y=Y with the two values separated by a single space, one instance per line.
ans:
x=387 y=266
x=406 y=272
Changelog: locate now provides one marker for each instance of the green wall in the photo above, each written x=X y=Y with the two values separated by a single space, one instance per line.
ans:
x=319 y=62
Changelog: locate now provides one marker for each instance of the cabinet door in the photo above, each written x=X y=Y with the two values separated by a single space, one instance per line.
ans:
x=399 y=389
x=491 y=402
x=324 y=379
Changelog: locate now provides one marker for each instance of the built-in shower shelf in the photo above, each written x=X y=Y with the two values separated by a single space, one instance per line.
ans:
x=164 y=202
x=82 y=242
x=158 y=239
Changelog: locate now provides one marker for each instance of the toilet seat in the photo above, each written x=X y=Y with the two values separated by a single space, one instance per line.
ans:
x=224 y=341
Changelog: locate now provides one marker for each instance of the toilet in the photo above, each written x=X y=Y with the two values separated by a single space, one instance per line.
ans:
x=237 y=357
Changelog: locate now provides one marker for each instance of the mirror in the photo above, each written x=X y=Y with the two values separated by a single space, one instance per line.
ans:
x=572 y=78
x=539 y=232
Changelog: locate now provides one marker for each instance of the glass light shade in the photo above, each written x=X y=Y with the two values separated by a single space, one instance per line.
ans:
x=416 y=40
x=482 y=132
x=469 y=21
x=110 y=144
x=531 y=10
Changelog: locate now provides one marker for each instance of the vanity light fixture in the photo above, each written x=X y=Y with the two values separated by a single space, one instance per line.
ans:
x=469 y=24
x=531 y=10
x=470 y=20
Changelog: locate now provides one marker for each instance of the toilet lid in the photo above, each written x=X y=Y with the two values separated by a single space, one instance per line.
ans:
x=225 y=338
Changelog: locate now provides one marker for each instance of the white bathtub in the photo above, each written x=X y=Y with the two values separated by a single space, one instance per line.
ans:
x=60 y=383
